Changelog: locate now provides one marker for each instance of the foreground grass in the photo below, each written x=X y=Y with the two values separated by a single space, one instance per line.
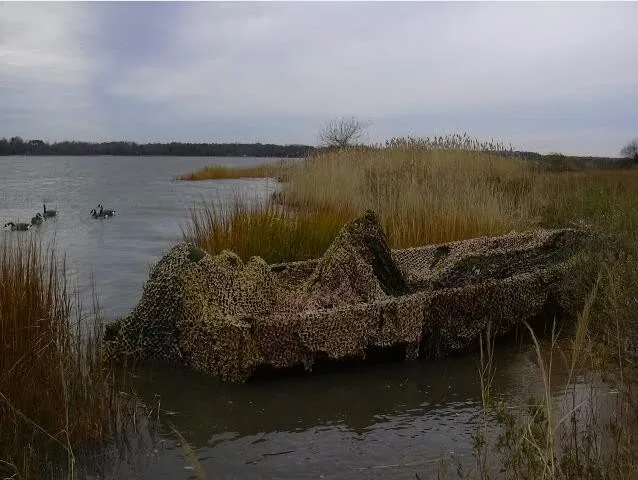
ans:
x=567 y=434
x=57 y=399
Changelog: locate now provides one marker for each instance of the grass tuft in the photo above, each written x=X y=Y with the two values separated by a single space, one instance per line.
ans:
x=57 y=398
x=220 y=172
x=273 y=232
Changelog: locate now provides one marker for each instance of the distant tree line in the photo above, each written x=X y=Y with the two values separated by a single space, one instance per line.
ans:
x=18 y=146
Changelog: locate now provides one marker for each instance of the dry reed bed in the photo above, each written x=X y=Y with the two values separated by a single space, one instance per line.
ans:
x=586 y=433
x=220 y=172
x=421 y=196
x=57 y=399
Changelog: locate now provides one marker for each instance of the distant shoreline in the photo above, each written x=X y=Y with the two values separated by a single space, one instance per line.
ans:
x=17 y=146
x=154 y=155
x=20 y=147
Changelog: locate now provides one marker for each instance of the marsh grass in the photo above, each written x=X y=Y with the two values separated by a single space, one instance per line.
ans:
x=58 y=400
x=607 y=203
x=589 y=434
x=579 y=434
x=219 y=172
x=455 y=141
x=422 y=196
x=271 y=231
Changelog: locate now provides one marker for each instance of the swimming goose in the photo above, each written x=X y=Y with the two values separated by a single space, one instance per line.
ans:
x=105 y=213
x=49 y=213
x=37 y=220
x=21 y=227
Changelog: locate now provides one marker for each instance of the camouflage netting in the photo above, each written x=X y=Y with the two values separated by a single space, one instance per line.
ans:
x=224 y=317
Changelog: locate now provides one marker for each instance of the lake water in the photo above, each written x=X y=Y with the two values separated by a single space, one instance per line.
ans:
x=150 y=209
x=388 y=421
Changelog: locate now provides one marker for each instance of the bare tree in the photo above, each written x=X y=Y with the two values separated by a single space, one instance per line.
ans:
x=631 y=150
x=342 y=132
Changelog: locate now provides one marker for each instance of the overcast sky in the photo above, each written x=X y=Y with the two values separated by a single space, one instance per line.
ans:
x=542 y=76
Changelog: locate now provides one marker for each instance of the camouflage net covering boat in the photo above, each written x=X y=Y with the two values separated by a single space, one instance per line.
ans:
x=225 y=317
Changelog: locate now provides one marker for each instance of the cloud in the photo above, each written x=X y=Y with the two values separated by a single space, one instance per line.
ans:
x=46 y=72
x=276 y=71
x=375 y=60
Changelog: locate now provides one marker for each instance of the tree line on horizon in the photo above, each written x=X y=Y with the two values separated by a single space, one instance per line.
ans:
x=336 y=134
x=18 y=146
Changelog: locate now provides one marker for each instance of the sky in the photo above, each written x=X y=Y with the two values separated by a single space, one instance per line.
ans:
x=546 y=77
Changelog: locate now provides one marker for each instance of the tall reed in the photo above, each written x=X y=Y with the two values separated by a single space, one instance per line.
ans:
x=57 y=398
x=271 y=231
x=421 y=195
x=588 y=435
x=571 y=434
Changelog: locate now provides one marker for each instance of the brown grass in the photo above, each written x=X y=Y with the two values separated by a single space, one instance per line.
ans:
x=219 y=172
x=587 y=435
x=57 y=399
x=422 y=196
x=273 y=232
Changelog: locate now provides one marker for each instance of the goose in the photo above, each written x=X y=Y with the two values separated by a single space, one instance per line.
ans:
x=37 y=220
x=21 y=227
x=49 y=213
x=105 y=213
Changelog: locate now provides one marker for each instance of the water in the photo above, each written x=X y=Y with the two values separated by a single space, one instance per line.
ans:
x=151 y=207
x=384 y=421
x=388 y=421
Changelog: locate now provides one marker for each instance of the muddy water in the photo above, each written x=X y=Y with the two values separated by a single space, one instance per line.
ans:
x=375 y=421
x=386 y=421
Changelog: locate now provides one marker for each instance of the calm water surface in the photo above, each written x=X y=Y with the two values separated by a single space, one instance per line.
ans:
x=151 y=207
x=387 y=421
